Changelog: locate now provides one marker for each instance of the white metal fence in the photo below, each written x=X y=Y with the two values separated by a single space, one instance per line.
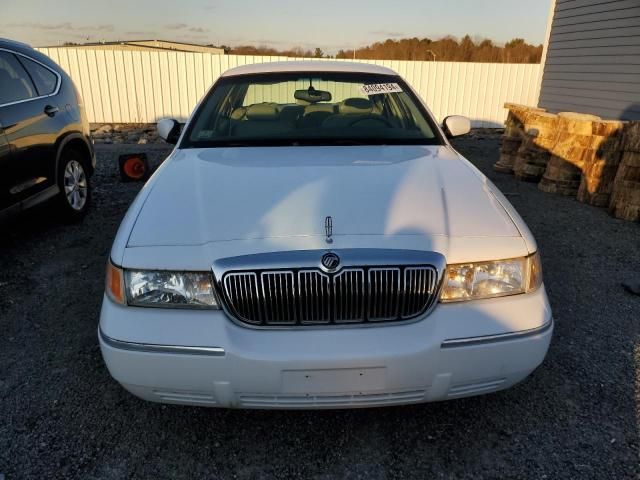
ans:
x=144 y=86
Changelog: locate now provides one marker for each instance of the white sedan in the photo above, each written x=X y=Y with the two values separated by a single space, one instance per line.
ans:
x=314 y=241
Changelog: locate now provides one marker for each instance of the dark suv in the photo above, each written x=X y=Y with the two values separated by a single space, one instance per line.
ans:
x=46 y=150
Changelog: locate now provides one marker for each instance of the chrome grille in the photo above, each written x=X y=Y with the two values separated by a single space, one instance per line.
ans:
x=384 y=293
x=278 y=298
x=242 y=292
x=419 y=284
x=312 y=297
x=348 y=296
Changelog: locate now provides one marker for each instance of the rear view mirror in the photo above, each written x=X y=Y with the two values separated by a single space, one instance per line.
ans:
x=311 y=95
x=168 y=130
x=456 y=125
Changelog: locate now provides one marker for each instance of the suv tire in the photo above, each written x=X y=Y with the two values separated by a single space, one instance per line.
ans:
x=75 y=189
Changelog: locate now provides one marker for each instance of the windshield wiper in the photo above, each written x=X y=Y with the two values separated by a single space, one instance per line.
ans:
x=347 y=142
x=312 y=141
x=231 y=144
x=303 y=142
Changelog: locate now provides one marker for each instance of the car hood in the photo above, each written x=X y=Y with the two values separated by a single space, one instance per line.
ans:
x=223 y=194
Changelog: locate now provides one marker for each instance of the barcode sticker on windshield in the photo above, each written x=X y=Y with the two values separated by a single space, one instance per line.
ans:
x=377 y=88
x=205 y=134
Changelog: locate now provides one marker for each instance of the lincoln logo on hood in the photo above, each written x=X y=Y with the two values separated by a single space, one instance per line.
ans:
x=328 y=228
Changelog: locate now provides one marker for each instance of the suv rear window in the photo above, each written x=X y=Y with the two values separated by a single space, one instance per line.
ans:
x=46 y=81
x=320 y=108
x=15 y=84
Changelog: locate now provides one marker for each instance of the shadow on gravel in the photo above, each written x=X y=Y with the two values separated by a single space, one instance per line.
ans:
x=62 y=416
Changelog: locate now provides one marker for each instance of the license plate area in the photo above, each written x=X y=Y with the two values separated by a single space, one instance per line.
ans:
x=341 y=380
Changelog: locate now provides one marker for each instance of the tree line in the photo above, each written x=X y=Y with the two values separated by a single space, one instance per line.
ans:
x=447 y=49
x=269 y=51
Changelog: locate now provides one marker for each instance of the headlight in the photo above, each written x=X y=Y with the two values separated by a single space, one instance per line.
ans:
x=170 y=289
x=471 y=281
x=161 y=288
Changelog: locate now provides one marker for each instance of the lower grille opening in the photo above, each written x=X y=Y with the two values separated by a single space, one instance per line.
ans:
x=302 y=401
x=185 y=397
x=475 y=387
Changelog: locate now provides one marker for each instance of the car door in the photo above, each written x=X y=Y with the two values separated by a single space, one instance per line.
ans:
x=5 y=153
x=31 y=120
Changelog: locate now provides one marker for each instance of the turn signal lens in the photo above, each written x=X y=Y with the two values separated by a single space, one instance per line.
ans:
x=535 y=272
x=115 y=284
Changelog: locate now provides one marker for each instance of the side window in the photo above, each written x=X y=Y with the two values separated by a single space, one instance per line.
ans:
x=15 y=84
x=46 y=81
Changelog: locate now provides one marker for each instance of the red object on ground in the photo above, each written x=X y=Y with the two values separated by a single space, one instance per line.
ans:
x=134 y=167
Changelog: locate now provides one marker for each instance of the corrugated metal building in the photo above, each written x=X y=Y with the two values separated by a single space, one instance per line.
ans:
x=593 y=59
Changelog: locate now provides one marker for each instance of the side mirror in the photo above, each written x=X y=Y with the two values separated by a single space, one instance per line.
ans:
x=168 y=130
x=456 y=125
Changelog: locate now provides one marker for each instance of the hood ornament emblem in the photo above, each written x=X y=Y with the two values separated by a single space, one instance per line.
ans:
x=330 y=261
x=328 y=229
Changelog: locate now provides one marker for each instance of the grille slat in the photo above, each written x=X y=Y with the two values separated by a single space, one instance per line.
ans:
x=312 y=297
x=384 y=293
x=245 y=307
x=348 y=298
x=277 y=297
x=422 y=282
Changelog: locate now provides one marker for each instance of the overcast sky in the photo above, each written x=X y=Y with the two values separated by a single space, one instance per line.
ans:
x=328 y=24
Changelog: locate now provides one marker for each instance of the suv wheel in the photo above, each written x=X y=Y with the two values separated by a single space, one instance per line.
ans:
x=75 y=189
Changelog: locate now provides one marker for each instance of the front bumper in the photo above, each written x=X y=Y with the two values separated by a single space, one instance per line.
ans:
x=203 y=358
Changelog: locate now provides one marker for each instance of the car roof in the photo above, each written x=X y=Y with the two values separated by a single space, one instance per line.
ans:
x=30 y=52
x=308 y=66
x=7 y=43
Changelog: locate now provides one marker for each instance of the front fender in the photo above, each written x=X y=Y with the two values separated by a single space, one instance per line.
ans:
x=74 y=136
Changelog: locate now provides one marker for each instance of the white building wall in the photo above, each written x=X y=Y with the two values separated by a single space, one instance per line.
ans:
x=144 y=86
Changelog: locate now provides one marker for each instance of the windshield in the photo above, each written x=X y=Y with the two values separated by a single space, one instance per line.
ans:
x=310 y=109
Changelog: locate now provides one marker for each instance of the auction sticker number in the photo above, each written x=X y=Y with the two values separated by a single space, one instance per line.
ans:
x=378 y=88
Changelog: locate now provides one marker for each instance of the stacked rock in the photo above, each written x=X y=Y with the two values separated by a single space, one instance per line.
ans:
x=563 y=173
x=514 y=133
x=535 y=151
x=601 y=162
x=625 y=196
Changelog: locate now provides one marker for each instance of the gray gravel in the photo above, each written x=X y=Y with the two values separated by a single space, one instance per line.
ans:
x=61 y=415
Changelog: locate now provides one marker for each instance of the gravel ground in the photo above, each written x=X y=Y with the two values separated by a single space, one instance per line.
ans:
x=61 y=415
